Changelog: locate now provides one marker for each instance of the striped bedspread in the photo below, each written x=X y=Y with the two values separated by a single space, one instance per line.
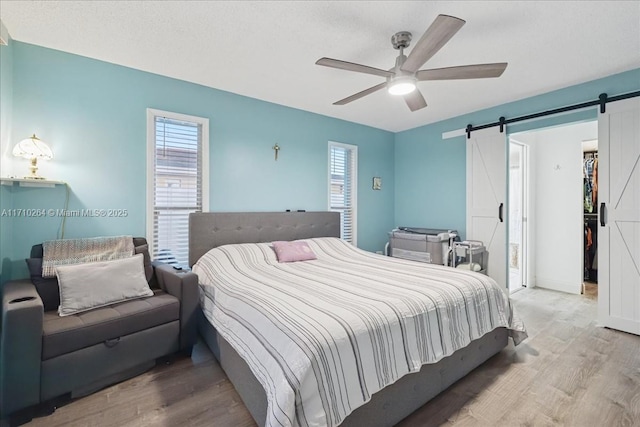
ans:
x=322 y=336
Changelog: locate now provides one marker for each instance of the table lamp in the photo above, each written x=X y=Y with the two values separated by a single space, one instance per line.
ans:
x=33 y=148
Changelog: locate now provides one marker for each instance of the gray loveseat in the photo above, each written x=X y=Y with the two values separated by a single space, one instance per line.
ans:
x=44 y=356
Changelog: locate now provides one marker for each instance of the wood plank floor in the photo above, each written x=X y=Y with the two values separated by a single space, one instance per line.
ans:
x=569 y=372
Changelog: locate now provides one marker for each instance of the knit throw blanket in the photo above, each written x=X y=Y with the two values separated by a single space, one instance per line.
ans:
x=77 y=251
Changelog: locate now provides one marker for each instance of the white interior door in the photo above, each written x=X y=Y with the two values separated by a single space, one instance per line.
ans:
x=619 y=238
x=486 y=198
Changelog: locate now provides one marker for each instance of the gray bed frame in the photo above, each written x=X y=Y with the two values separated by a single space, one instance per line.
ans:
x=388 y=406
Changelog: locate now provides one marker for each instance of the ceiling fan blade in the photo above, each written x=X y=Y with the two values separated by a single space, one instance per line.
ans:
x=477 y=71
x=439 y=33
x=350 y=66
x=360 y=94
x=415 y=101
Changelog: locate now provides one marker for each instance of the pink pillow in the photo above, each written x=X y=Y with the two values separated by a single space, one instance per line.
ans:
x=293 y=251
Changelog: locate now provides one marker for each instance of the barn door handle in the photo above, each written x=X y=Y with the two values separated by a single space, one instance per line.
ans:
x=500 y=212
x=602 y=206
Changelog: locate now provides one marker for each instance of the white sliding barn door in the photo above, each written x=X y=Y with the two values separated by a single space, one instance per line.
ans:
x=486 y=198
x=619 y=238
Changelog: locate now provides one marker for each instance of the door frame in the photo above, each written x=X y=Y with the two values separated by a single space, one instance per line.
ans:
x=524 y=251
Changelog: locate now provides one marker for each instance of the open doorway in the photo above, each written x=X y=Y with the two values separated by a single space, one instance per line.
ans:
x=518 y=201
x=590 y=175
x=547 y=207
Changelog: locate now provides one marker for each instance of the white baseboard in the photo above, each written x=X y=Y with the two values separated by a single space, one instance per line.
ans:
x=558 y=285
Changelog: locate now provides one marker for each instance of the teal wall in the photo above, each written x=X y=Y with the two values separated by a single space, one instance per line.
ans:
x=93 y=114
x=430 y=172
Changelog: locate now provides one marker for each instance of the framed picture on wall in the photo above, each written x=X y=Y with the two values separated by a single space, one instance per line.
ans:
x=377 y=183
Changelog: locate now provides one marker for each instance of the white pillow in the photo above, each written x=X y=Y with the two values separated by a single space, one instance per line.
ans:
x=97 y=284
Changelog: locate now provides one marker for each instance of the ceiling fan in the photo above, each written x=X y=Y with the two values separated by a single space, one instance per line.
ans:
x=402 y=79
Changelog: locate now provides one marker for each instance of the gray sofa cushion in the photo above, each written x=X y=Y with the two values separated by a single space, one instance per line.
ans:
x=66 y=334
x=48 y=288
x=148 y=267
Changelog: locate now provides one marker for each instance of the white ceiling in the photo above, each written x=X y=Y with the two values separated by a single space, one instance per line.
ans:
x=267 y=50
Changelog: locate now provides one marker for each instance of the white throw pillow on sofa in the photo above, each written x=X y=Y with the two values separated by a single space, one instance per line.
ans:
x=97 y=284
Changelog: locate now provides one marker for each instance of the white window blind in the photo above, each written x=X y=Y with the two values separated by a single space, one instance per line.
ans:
x=178 y=181
x=342 y=187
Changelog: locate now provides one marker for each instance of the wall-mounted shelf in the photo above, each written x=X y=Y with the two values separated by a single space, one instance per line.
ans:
x=25 y=182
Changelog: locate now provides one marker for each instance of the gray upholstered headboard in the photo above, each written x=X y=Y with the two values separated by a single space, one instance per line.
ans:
x=208 y=230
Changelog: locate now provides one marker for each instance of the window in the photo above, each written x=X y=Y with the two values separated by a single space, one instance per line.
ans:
x=177 y=181
x=343 y=166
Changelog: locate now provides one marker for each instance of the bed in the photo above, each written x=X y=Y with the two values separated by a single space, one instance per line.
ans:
x=350 y=338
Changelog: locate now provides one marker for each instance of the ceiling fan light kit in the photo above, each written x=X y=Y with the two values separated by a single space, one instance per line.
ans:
x=401 y=85
x=403 y=77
